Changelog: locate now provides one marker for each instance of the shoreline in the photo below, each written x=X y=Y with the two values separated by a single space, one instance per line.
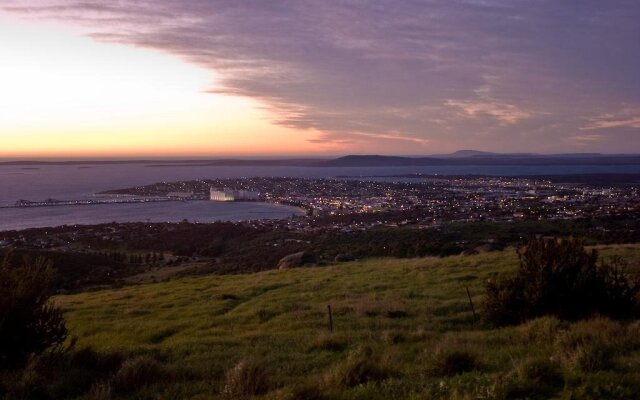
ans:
x=81 y=215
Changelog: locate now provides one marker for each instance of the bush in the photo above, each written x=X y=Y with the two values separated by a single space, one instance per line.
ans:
x=560 y=278
x=247 y=378
x=29 y=323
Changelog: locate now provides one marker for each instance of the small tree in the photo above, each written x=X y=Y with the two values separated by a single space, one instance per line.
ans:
x=29 y=323
x=559 y=277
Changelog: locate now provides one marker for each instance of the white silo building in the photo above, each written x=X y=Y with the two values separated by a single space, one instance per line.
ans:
x=227 y=194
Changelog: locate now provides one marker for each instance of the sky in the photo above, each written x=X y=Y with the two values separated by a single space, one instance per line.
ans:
x=82 y=78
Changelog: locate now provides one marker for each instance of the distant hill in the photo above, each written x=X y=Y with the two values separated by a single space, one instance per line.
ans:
x=481 y=159
x=462 y=157
x=467 y=153
x=381 y=161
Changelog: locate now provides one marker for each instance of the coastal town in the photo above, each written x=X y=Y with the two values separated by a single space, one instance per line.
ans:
x=350 y=203
x=361 y=205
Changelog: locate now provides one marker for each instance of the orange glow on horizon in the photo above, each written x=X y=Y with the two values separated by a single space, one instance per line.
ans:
x=65 y=95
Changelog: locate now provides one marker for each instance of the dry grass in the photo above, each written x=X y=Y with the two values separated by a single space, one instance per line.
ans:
x=248 y=377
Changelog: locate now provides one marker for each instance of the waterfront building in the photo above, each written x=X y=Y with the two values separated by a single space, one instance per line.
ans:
x=227 y=194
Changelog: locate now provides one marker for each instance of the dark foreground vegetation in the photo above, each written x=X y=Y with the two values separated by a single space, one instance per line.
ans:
x=402 y=329
x=561 y=278
x=29 y=324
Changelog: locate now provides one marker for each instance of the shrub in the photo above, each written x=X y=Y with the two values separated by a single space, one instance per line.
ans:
x=559 y=277
x=247 y=378
x=361 y=366
x=137 y=373
x=29 y=323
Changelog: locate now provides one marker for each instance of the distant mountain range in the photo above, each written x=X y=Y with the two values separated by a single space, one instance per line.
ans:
x=467 y=157
x=475 y=153
x=462 y=157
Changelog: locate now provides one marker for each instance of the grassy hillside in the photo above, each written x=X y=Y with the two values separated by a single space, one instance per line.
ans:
x=402 y=329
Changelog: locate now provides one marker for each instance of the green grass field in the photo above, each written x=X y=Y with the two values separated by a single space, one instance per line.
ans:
x=402 y=329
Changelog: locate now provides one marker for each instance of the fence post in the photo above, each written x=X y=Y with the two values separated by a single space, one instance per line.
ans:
x=473 y=310
x=330 y=318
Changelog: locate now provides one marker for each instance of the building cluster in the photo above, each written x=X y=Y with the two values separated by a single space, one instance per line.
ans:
x=227 y=194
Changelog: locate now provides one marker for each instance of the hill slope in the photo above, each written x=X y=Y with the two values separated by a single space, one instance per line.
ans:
x=405 y=311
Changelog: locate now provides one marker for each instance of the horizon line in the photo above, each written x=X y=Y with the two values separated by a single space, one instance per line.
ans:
x=240 y=157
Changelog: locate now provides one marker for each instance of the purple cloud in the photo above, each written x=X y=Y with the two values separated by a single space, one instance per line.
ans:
x=627 y=117
x=496 y=75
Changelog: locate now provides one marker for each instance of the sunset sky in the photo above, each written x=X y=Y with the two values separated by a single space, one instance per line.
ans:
x=305 y=77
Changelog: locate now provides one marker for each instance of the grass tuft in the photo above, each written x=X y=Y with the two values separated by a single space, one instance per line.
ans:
x=590 y=346
x=360 y=367
x=248 y=377
x=541 y=372
x=452 y=359
x=329 y=342
x=139 y=372
x=542 y=330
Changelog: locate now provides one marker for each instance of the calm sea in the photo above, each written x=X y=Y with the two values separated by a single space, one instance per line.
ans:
x=71 y=182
